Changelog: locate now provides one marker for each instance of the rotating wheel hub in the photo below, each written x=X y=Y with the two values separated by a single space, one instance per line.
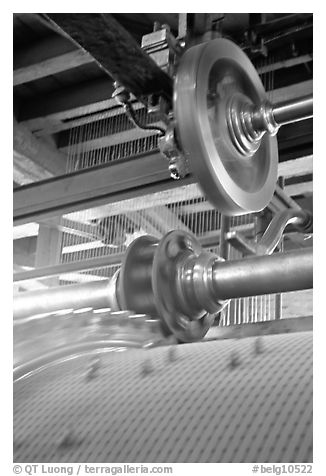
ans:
x=217 y=95
x=170 y=279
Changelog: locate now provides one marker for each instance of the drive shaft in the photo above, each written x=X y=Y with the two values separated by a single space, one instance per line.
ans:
x=176 y=280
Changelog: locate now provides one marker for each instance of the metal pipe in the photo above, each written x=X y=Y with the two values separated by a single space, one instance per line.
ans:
x=278 y=298
x=247 y=123
x=301 y=219
x=293 y=110
x=280 y=272
x=96 y=294
x=267 y=117
x=280 y=195
x=66 y=268
x=224 y=244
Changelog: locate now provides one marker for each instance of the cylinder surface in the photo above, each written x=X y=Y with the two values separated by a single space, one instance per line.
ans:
x=280 y=272
x=236 y=400
x=294 y=110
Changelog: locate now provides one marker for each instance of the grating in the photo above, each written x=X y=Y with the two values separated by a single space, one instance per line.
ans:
x=240 y=400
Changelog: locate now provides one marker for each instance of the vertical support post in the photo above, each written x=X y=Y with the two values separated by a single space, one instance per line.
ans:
x=182 y=26
x=224 y=252
x=262 y=221
x=225 y=228
x=278 y=296
x=48 y=249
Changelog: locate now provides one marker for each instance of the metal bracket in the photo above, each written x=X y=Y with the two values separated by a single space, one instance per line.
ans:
x=162 y=47
x=240 y=243
x=178 y=165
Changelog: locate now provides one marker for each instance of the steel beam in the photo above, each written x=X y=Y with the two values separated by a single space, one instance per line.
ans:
x=126 y=178
x=102 y=185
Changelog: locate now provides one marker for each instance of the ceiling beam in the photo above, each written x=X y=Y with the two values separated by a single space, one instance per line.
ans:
x=50 y=56
x=296 y=167
x=172 y=192
x=25 y=231
x=292 y=92
x=164 y=219
x=57 y=107
x=288 y=63
x=304 y=188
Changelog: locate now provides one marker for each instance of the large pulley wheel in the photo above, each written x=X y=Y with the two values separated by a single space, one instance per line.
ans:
x=212 y=78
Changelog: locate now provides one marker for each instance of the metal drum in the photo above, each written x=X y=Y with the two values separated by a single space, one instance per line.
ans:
x=237 y=400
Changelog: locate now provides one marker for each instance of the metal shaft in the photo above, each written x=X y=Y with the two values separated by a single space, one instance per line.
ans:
x=269 y=117
x=248 y=123
x=294 y=110
x=280 y=272
x=97 y=294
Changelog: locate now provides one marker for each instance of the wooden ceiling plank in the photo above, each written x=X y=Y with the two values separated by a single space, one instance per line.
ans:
x=37 y=51
x=51 y=66
x=296 y=167
x=70 y=102
x=304 y=188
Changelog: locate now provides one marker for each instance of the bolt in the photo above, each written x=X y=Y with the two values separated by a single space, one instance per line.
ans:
x=173 y=249
x=174 y=173
x=166 y=27
x=120 y=94
x=189 y=244
x=235 y=360
x=147 y=367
